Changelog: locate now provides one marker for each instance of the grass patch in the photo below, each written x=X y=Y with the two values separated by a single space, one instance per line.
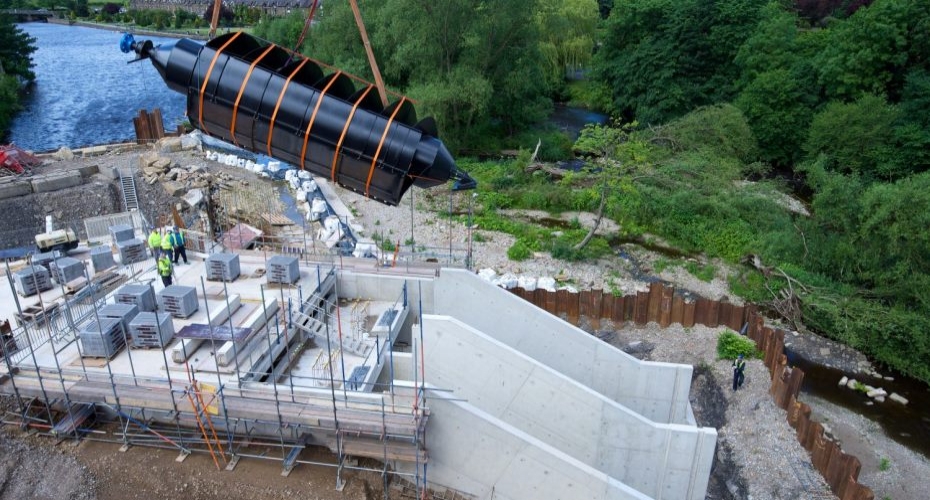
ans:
x=884 y=464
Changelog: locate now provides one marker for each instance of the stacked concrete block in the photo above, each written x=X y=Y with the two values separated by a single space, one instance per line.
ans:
x=122 y=232
x=178 y=300
x=103 y=339
x=45 y=259
x=67 y=269
x=123 y=312
x=141 y=296
x=31 y=280
x=101 y=258
x=222 y=267
x=131 y=251
x=150 y=329
x=283 y=269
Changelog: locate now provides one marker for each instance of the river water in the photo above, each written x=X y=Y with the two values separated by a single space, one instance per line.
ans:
x=85 y=93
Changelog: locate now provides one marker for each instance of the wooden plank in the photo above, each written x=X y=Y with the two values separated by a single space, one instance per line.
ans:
x=277 y=219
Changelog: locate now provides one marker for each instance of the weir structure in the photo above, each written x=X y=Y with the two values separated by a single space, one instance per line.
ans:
x=449 y=382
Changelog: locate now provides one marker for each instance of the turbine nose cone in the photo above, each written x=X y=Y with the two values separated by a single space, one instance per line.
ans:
x=433 y=164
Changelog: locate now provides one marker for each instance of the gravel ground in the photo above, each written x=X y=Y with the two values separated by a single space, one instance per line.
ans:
x=430 y=229
x=758 y=454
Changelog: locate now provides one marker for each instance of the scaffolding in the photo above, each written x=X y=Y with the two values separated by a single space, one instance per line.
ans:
x=257 y=401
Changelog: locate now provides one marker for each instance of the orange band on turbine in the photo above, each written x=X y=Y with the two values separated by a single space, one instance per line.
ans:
x=319 y=100
x=206 y=79
x=245 y=81
x=346 y=129
x=278 y=104
x=374 y=161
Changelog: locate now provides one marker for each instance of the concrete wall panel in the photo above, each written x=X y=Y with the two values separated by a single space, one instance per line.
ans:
x=485 y=457
x=660 y=460
x=658 y=391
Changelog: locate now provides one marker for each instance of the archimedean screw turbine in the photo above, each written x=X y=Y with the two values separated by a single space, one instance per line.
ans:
x=257 y=96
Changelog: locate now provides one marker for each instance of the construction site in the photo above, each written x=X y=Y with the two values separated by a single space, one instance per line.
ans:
x=450 y=384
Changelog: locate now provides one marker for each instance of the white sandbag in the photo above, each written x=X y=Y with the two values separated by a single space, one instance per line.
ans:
x=527 y=283
x=546 y=283
x=487 y=274
x=308 y=186
x=507 y=281
x=364 y=250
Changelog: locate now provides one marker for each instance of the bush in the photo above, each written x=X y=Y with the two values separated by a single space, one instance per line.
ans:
x=731 y=344
x=519 y=251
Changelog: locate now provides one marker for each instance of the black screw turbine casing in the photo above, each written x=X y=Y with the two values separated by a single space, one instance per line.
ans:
x=256 y=96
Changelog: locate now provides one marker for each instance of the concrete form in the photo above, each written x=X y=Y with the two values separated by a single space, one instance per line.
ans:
x=369 y=361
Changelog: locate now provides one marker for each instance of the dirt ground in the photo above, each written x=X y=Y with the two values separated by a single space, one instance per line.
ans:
x=34 y=466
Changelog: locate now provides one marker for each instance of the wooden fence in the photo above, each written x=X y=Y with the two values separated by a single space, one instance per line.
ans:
x=664 y=305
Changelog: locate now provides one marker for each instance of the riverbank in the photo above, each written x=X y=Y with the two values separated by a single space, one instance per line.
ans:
x=121 y=28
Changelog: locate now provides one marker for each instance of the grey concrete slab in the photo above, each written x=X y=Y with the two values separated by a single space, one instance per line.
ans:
x=56 y=182
x=14 y=188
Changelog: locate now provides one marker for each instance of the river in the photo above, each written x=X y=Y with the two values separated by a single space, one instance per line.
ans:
x=85 y=93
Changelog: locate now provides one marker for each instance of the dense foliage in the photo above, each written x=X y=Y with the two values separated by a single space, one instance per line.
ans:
x=834 y=94
x=16 y=48
x=721 y=104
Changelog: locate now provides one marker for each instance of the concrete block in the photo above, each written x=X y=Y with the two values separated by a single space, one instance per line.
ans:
x=13 y=189
x=174 y=188
x=92 y=151
x=54 y=183
x=88 y=170
x=110 y=172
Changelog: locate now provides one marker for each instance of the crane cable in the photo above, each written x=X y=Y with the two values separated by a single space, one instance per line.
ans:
x=303 y=33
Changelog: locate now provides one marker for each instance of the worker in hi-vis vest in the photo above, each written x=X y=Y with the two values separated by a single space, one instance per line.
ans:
x=155 y=243
x=165 y=270
x=739 y=366
x=166 y=247
x=177 y=241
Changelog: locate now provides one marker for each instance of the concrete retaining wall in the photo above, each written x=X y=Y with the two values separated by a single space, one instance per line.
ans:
x=657 y=391
x=488 y=458
x=56 y=182
x=14 y=188
x=659 y=460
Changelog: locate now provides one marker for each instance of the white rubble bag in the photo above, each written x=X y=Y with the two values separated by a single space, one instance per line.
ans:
x=507 y=281
x=487 y=274
x=527 y=283
x=364 y=250
x=546 y=283
x=331 y=232
x=317 y=209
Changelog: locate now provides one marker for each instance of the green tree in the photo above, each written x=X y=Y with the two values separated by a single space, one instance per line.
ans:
x=617 y=160
x=432 y=50
x=663 y=58
x=283 y=31
x=567 y=30
x=858 y=137
x=16 y=48
x=870 y=52
x=777 y=108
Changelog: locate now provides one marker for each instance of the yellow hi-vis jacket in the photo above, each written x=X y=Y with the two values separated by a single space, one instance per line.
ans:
x=164 y=266
x=154 y=240
x=166 y=242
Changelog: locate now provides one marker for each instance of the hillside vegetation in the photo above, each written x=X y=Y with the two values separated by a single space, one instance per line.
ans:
x=719 y=107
